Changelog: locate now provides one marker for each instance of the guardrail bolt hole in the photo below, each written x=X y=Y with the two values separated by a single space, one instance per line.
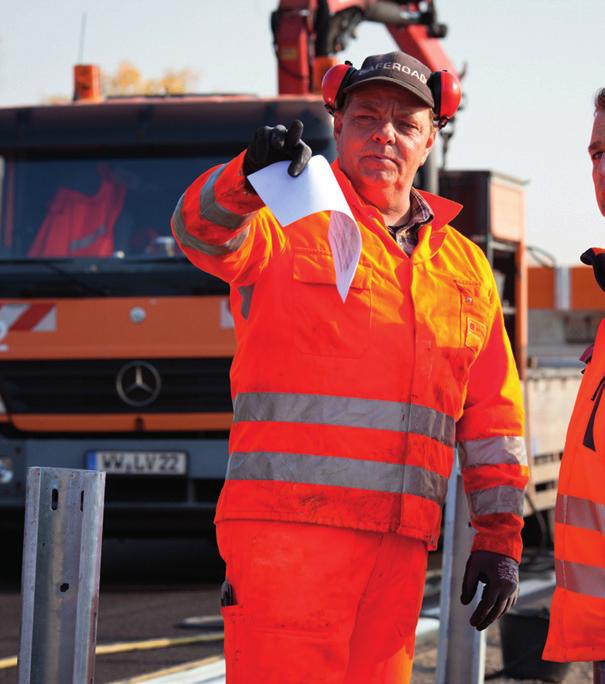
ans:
x=64 y=587
x=82 y=500
x=54 y=500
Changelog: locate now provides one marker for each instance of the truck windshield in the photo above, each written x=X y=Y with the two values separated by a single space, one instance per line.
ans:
x=72 y=209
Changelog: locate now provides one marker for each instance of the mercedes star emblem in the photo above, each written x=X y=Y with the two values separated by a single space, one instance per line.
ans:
x=138 y=383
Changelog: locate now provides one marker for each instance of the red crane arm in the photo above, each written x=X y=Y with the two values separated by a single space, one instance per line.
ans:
x=309 y=33
x=416 y=41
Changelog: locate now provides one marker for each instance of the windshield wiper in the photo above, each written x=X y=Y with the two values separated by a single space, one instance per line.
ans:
x=177 y=258
x=53 y=265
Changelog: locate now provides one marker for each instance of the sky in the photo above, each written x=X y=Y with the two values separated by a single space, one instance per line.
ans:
x=533 y=67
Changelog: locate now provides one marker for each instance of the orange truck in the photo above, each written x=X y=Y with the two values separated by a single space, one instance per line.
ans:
x=114 y=350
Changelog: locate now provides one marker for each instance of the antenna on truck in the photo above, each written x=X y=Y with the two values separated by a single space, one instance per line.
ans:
x=87 y=77
x=82 y=38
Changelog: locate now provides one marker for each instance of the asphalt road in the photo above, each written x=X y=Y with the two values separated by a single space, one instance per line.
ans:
x=147 y=588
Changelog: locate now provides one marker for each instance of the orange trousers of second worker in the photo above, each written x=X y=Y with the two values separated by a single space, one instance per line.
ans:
x=320 y=605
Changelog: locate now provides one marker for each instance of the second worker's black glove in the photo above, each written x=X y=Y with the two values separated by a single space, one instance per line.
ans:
x=271 y=144
x=501 y=577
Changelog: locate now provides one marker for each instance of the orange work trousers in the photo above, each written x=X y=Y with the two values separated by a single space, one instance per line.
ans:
x=320 y=605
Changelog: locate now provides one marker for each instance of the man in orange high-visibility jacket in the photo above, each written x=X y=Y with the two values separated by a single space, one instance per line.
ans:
x=346 y=414
x=80 y=225
x=577 y=622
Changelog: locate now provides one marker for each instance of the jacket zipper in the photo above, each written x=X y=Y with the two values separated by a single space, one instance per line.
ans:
x=588 y=440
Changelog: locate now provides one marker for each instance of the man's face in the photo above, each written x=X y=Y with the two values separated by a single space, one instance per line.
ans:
x=596 y=150
x=383 y=136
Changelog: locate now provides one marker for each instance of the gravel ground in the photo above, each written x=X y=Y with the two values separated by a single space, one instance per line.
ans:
x=425 y=664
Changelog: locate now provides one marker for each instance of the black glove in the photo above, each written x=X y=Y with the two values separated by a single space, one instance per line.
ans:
x=273 y=144
x=501 y=577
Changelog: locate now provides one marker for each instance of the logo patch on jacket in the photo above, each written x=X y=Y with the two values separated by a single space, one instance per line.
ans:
x=475 y=333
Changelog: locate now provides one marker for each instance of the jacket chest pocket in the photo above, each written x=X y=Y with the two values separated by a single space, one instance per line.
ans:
x=324 y=325
x=474 y=315
x=456 y=312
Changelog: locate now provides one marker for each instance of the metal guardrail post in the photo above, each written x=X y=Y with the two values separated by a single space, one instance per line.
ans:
x=461 y=651
x=60 y=579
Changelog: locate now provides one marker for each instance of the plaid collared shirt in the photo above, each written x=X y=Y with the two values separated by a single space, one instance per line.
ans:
x=406 y=236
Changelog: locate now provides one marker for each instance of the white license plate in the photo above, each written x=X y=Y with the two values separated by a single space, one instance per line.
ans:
x=139 y=462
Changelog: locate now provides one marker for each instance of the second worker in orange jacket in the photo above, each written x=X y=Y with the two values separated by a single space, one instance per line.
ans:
x=346 y=414
x=577 y=620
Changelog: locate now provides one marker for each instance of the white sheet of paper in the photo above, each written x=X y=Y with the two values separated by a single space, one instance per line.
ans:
x=316 y=189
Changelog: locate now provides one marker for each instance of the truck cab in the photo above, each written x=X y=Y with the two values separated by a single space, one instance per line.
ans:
x=114 y=350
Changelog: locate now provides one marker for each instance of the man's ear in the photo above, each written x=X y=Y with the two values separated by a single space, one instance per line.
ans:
x=337 y=124
x=429 y=143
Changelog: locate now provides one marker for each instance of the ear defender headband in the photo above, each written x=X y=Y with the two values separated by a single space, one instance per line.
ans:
x=443 y=85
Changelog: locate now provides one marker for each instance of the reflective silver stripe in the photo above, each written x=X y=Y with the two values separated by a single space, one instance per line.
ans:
x=87 y=240
x=319 y=409
x=212 y=211
x=492 y=451
x=496 y=500
x=572 y=510
x=334 y=471
x=188 y=240
x=581 y=578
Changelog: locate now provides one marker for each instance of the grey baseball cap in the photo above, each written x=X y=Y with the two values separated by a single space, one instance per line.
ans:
x=397 y=68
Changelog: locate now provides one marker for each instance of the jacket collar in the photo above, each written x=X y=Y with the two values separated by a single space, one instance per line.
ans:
x=595 y=257
x=444 y=210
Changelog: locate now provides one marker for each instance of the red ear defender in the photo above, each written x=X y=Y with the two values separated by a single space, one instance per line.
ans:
x=333 y=83
x=447 y=95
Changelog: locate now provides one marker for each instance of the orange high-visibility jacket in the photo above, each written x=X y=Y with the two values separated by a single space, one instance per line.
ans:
x=79 y=225
x=347 y=413
x=577 y=619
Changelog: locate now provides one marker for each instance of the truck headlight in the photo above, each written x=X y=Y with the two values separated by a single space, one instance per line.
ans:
x=7 y=469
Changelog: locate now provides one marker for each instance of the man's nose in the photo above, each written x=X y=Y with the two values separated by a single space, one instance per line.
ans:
x=384 y=133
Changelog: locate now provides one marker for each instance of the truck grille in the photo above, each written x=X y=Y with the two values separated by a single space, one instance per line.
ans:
x=83 y=386
x=131 y=489
x=126 y=489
